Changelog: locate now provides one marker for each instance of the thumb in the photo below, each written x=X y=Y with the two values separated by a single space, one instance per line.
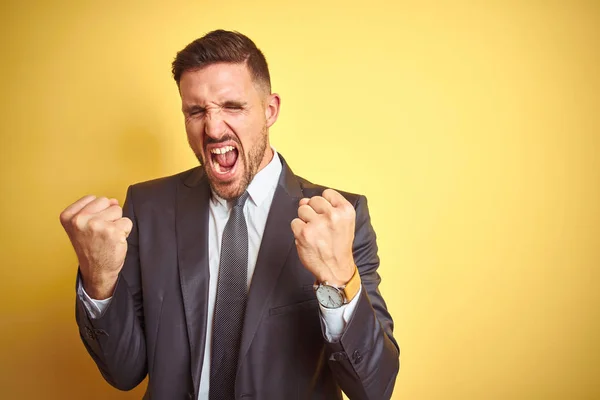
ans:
x=124 y=225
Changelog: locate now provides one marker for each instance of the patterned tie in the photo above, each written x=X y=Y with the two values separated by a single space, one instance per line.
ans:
x=230 y=304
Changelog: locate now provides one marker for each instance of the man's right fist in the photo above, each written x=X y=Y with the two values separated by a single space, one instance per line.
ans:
x=98 y=232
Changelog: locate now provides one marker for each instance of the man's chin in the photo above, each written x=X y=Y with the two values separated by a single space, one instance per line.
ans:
x=227 y=190
x=227 y=187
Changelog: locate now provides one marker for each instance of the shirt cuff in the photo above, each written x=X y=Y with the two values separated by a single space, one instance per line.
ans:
x=94 y=307
x=335 y=320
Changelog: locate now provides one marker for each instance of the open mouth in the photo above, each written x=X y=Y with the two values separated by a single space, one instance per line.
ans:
x=223 y=160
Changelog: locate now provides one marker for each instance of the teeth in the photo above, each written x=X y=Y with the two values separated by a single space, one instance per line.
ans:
x=222 y=150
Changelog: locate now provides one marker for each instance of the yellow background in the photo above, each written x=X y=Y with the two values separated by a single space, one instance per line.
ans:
x=472 y=127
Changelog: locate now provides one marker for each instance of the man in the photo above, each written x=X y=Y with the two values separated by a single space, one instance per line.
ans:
x=235 y=279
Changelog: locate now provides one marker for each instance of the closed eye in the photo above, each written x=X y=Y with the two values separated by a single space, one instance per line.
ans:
x=195 y=110
x=234 y=105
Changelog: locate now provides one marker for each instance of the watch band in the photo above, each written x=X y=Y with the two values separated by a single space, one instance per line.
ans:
x=351 y=288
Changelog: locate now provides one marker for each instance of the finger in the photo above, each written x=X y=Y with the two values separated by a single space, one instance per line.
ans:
x=297 y=227
x=335 y=198
x=112 y=213
x=113 y=202
x=124 y=225
x=306 y=213
x=320 y=205
x=74 y=208
x=304 y=201
x=97 y=205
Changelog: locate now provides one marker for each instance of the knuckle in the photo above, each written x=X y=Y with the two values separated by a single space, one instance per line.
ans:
x=64 y=218
x=334 y=217
x=95 y=225
x=114 y=234
x=109 y=227
x=78 y=222
x=348 y=209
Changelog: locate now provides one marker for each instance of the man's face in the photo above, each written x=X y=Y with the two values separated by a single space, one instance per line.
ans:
x=227 y=117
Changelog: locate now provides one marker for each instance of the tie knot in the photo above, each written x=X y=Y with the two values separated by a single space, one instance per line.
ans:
x=240 y=201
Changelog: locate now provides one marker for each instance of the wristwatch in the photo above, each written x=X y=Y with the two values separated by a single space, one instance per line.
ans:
x=331 y=296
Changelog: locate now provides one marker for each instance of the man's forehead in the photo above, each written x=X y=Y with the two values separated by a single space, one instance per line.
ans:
x=217 y=81
x=218 y=74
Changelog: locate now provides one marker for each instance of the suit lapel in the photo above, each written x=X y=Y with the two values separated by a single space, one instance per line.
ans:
x=275 y=245
x=193 y=196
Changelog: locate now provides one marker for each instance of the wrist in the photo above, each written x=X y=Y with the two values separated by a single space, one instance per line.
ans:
x=339 y=276
x=101 y=286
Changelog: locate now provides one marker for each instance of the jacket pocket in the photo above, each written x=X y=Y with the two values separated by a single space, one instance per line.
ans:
x=303 y=305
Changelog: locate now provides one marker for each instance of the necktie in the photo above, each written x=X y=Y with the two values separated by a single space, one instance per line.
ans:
x=230 y=303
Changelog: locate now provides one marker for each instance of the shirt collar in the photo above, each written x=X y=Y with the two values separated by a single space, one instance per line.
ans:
x=261 y=186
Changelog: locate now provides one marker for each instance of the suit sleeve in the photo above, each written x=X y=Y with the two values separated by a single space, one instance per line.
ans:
x=115 y=339
x=365 y=361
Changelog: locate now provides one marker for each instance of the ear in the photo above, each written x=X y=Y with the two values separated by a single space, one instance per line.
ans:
x=272 y=109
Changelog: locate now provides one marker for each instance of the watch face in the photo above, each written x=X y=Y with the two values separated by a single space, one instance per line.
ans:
x=329 y=297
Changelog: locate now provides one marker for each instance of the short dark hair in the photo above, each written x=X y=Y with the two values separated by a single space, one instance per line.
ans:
x=222 y=46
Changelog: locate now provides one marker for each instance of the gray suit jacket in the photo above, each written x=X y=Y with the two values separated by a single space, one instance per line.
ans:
x=156 y=321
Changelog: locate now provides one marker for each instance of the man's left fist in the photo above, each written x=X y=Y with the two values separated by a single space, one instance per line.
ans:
x=324 y=232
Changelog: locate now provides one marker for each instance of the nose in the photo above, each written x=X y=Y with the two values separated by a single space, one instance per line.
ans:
x=214 y=125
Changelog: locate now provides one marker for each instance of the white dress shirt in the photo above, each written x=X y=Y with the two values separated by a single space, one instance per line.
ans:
x=256 y=209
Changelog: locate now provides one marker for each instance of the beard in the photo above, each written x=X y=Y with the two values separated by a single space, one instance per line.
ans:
x=249 y=164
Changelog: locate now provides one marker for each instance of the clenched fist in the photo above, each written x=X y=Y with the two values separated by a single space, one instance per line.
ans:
x=324 y=232
x=98 y=232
